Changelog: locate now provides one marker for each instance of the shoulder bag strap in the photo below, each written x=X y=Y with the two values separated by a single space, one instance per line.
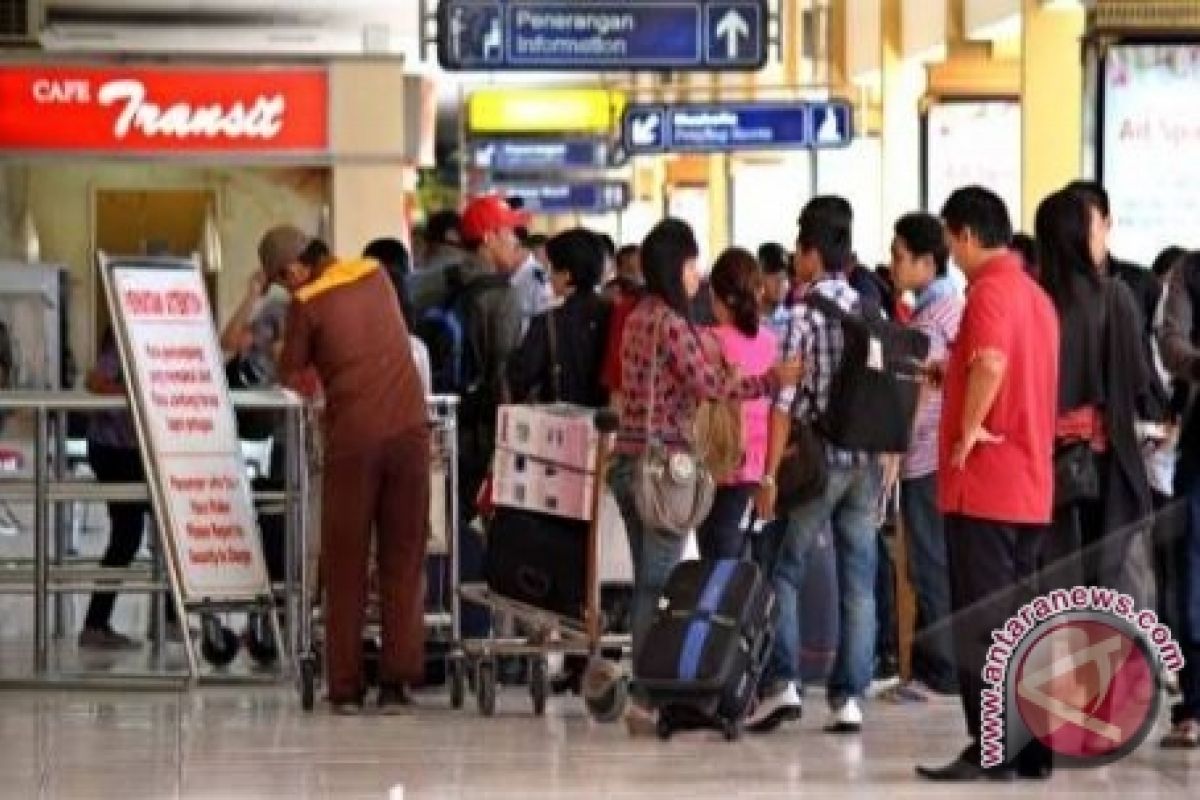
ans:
x=555 y=365
x=653 y=377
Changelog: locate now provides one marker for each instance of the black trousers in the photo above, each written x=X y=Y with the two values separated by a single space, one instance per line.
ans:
x=126 y=523
x=993 y=572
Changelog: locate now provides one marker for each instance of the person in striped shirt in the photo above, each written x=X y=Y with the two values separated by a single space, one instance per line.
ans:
x=919 y=265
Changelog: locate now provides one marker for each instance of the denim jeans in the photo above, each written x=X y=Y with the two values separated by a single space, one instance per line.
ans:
x=929 y=571
x=654 y=552
x=850 y=504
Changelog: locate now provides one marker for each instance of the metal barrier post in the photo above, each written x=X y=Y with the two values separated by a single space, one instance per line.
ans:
x=41 y=506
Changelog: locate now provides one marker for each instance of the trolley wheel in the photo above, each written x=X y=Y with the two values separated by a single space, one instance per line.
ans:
x=218 y=644
x=308 y=683
x=486 y=687
x=458 y=682
x=260 y=641
x=732 y=730
x=539 y=684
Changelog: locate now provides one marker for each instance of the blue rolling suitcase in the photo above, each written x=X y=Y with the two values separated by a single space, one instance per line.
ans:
x=706 y=650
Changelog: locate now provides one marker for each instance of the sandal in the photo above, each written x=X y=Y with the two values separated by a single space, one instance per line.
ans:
x=1183 y=735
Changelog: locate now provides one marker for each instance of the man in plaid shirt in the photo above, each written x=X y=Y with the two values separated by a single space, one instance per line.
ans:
x=823 y=258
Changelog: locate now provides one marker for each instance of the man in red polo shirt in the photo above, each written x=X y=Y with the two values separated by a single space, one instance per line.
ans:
x=995 y=445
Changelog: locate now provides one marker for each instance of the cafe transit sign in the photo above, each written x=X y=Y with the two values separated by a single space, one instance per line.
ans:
x=163 y=110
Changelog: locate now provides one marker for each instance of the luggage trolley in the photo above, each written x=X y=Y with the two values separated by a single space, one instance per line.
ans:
x=550 y=631
x=441 y=614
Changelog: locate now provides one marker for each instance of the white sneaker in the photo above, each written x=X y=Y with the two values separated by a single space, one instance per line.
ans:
x=782 y=705
x=846 y=718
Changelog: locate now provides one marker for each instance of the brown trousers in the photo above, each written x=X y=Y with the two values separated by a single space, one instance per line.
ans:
x=383 y=486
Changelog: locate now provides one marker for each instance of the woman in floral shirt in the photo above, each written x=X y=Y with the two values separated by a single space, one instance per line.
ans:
x=689 y=370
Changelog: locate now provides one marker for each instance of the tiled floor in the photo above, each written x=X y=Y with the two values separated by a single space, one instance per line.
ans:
x=256 y=743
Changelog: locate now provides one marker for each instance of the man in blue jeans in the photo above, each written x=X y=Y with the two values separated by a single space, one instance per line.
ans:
x=850 y=501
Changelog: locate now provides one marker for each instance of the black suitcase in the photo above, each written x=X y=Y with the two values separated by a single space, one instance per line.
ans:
x=538 y=559
x=705 y=651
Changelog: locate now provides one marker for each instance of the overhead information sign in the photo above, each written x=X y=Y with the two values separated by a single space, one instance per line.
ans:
x=538 y=155
x=186 y=425
x=593 y=197
x=598 y=35
x=725 y=128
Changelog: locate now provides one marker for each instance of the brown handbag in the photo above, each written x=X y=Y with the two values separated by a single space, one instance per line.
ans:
x=672 y=490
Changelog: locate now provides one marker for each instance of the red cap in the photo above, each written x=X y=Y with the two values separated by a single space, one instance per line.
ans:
x=488 y=214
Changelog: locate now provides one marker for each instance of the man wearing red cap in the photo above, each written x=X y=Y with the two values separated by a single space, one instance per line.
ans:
x=489 y=309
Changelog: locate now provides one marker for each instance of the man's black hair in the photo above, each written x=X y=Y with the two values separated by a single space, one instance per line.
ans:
x=773 y=258
x=923 y=235
x=443 y=227
x=826 y=225
x=983 y=212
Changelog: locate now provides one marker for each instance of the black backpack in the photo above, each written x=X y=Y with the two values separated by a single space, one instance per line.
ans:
x=455 y=361
x=875 y=385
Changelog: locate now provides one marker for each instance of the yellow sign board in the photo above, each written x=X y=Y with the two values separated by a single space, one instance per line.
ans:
x=500 y=111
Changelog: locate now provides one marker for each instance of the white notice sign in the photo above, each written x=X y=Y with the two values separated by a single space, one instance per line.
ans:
x=186 y=421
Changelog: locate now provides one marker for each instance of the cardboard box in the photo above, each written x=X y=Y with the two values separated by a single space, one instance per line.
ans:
x=533 y=484
x=560 y=434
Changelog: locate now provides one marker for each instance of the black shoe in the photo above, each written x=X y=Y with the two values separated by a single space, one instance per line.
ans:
x=1035 y=763
x=394 y=699
x=965 y=769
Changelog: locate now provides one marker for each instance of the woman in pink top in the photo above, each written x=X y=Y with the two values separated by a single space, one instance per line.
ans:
x=750 y=349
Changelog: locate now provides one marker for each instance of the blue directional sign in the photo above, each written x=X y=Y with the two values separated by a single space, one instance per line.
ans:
x=538 y=155
x=725 y=128
x=602 y=34
x=594 y=197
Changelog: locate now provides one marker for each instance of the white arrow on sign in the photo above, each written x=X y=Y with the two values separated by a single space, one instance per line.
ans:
x=732 y=26
x=644 y=130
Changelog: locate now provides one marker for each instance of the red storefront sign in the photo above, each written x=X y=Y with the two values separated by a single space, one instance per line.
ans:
x=163 y=111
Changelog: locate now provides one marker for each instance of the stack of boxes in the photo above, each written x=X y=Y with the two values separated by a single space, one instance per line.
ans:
x=546 y=460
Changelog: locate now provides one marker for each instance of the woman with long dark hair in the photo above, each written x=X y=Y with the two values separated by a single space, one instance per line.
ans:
x=1103 y=381
x=661 y=340
x=751 y=348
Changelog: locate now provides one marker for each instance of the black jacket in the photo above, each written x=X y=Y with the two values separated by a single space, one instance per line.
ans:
x=1102 y=363
x=571 y=374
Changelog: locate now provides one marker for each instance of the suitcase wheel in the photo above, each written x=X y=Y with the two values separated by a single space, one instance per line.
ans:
x=663 y=727
x=732 y=730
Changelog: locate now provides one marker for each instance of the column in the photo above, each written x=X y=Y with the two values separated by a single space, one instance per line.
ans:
x=1051 y=102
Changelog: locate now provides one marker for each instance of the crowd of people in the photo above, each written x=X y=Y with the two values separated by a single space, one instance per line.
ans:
x=1051 y=352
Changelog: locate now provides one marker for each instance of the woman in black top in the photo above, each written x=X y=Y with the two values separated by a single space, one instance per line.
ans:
x=1103 y=383
x=561 y=356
